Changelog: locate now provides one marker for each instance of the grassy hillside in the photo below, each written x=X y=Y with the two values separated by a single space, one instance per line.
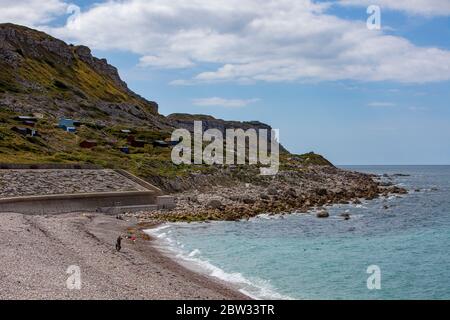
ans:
x=39 y=73
x=44 y=75
x=57 y=146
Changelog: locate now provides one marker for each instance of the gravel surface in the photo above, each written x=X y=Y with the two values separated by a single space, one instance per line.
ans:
x=36 y=252
x=14 y=183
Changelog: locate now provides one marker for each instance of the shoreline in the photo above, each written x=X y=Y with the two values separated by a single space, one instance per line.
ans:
x=46 y=245
x=190 y=261
x=39 y=250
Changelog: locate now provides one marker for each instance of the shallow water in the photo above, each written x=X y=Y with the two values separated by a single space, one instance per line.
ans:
x=302 y=257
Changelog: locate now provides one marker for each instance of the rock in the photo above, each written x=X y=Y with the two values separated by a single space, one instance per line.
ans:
x=291 y=192
x=272 y=191
x=248 y=200
x=22 y=47
x=215 y=204
x=322 y=214
x=264 y=196
x=192 y=199
x=346 y=216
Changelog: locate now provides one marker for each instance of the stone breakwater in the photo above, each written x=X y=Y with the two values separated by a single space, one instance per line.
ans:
x=290 y=191
x=17 y=183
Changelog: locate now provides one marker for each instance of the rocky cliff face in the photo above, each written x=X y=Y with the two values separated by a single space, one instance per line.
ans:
x=42 y=74
x=186 y=121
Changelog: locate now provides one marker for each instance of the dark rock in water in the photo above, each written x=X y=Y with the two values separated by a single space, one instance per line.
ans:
x=398 y=190
x=357 y=201
x=346 y=216
x=322 y=214
x=401 y=175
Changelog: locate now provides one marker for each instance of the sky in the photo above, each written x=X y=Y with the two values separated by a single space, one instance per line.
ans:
x=312 y=69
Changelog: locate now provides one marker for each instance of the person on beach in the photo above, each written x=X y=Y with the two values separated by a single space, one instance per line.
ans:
x=119 y=244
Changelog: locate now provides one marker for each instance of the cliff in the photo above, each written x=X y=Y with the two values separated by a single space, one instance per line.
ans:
x=42 y=74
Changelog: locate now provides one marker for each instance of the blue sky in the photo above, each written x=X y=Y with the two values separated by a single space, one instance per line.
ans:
x=310 y=72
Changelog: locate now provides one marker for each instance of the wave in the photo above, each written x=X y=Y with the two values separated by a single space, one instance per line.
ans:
x=257 y=289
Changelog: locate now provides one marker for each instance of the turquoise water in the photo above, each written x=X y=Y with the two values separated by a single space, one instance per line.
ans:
x=302 y=257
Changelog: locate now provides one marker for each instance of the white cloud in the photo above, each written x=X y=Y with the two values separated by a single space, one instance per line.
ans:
x=251 y=40
x=382 y=104
x=415 y=7
x=165 y=61
x=221 y=102
x=30 y=12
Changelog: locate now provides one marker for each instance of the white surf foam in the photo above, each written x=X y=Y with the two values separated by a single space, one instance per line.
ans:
x=254 y=288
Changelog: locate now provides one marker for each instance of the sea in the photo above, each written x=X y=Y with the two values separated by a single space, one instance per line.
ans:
x=392 y=248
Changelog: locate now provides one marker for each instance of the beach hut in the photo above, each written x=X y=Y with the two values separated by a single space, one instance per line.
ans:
x=161 y=144
x=88 y=144
x=26 y=118
x=29 y=123
x=173 y=143
x=67 y=125
x=22 y=131
x=26 y=131
x=125 y=150
x=138 y=143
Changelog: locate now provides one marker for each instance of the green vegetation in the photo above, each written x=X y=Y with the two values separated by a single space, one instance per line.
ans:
x=47 y=76
x=57 y=146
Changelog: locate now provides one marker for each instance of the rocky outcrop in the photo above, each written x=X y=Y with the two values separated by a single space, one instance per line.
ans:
x=232 y=194
x=42 y=74
x=186 y=121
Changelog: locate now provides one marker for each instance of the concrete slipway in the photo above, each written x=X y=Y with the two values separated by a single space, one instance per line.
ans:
x=148 y=198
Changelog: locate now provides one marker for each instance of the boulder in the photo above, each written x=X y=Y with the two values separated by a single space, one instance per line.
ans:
x=215 y=204
x=272 y=191
x=248 y=200
x=264 y=196
x=291 y=192
x=346 y=216
x=323 y=214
